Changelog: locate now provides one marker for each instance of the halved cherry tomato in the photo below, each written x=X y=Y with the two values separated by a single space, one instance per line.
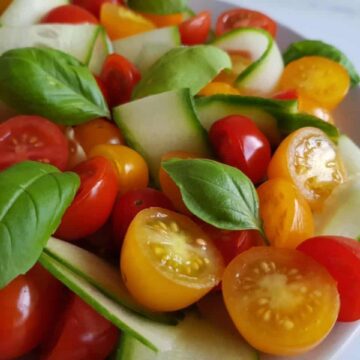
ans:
x=164 y=20
x=281 y=301
x=286 y=215
x=131 y=169
x=32 y=138
x=3 y=5
x=167 y=261
x=324 y=81
x=243 y=18
x=311 y=107
x=217 y=87
x=130 y=204
x=76 y=152
x=81 y=334
x=119 y=77
x=239 y=143
x=94 y=6
x=309 y=159
x=69 y=14
x=196 y=29
x=93 y=202
x=341 y=257
x=28 y=310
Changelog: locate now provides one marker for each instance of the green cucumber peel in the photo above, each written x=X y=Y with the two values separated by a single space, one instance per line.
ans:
x=160 y=7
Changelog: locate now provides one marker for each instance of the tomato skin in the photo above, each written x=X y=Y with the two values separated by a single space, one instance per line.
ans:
x=239 y=143
x=103 y=89
x=242 y=18
x=130 y=204
x=93 y=202
x=81 y=334
x=291 y=94
x=94 y=6
x=69 y=14
x=196 y=30
x=164 y=20
x=218 y=87
x=119 y=76
x=341 y=257
x=32 y=138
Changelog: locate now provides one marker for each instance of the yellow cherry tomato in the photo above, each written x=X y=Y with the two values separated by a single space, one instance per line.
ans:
x=3 y=5
x=131 y=169
x=164 y=20
x=286 y=215
x=167 y=261
x=309 y=159
x=121 y=22
x=217 y=87
x=311 y=107
x=318 y=78
x=281 y=301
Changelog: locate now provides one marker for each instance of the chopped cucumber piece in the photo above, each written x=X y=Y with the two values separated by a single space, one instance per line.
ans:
x=350 y=154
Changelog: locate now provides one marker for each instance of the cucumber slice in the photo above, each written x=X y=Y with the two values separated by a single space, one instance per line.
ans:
x=152 y=334
x=161 y=123
x=264 y=73
x=101 y=275
x=28 y=12
x=87 y=43
x=145 y=49
x=350 y=154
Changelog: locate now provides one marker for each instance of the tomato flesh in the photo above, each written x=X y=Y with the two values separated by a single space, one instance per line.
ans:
x=196 y=30
x=69 y=14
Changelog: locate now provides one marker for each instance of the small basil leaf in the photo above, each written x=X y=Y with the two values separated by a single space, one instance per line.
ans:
x=33 y=199
x=161 y=7
x=218 y=194
x=52 y=84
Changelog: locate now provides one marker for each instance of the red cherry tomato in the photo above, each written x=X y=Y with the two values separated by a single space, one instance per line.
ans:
x=196 y=29
x=94 y=201
x=32 y=138
x=69 y=14
x=341 y=257
x=242 y=18
x=103 y=89
x=130 y=204
x=119 y=77
x=287 y=95
x=94 y=6
x=239 y=143
x=28 y=308
x=82 y=334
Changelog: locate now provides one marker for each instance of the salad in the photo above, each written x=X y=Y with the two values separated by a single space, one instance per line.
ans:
x=169 y=190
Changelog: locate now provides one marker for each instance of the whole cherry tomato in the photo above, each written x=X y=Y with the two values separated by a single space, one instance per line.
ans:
x=196 y=29
x=103 y=89
x=217 y=87
x=69 y=14
x=161 y=21
x=94 y=6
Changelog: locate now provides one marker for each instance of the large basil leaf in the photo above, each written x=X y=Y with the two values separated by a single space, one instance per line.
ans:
x=218 y=194
x=161 y=7
x=33 y=199
x=52 y=84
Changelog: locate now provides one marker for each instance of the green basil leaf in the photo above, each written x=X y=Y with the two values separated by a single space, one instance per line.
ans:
x=33 y=199
x=318 y=48
x=161 y=7
x=52 y=84
x=218 y=194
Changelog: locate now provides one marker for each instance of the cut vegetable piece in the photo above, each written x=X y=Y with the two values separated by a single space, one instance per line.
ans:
x=22 y=13
x=350 y=155
x=101 y=275
x=87 y=43
x=155 y=335
x=154 y=133
x=145 y=49
x=265 y=71
x=183 y=67
x=161 y=7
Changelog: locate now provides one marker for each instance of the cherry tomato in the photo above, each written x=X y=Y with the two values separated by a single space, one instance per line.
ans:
x=281 y=301
x=286 y=215
x=309 y=159
x=28 y=309
x=239 y=143
x=130 y=204
x=217 y=87
x=32 y=138
x=196 y=30
x=69 y=14
x=167 y=261
x=94 y=6
x=103 y=89
x=341 y=257
x=291 y=94
x=97 y=132
x=76 y=152
x=82 y=334
x=93 y=202
x=119 y=77
x=243 y=18
x=311 y=107
x=131 y=169
x=164 y=20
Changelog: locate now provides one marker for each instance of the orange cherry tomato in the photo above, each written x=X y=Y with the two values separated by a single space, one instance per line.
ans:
x=309 y=159
x=4 y=4
x=164 y=20
x=217 y=87
x=319 y=79
x=287 y=217
x=311 y=107
x=131 y=169
x=167 y=261
x=281 y=301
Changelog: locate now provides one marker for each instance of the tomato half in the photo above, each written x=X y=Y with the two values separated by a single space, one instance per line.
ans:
x=196 y=30
x=32 y=138
x=94 y=6
x=69 y=14
x=93 y=202
x=243 y=18
x=167 y=261
x=341 y=257
x=281 y=301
